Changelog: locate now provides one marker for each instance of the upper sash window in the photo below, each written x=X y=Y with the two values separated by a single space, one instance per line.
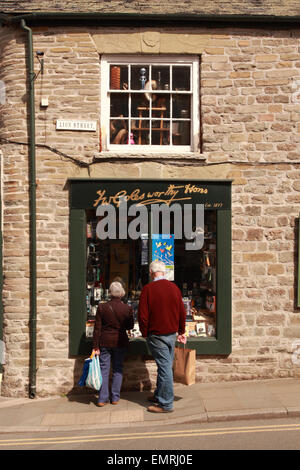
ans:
x=150 y=103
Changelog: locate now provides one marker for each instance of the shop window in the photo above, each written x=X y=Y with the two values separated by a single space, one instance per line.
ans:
x=150 y=103
x=108 y=260
x=193 y=271
x=203 y=274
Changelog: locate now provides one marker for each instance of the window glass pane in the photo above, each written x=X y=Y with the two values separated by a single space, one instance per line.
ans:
x=118 y=77
x=141 y=132
x=175 y=133
x=161 y=77
x=139 y=76
x=118 y=131
x=160 y=132
x=161 y=106
x=118 y=105
x=181 y=106
x=181 y=133
x=140 y=105
x=181 y=78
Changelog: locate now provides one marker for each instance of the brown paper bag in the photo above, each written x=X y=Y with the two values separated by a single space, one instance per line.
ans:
x=184 y=366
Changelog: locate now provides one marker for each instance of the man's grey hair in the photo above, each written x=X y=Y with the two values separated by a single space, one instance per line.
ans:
x=116 y=289
x=157 y=266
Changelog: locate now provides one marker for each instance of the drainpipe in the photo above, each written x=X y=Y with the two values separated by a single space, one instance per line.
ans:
x=32 y=210
x=1 y=276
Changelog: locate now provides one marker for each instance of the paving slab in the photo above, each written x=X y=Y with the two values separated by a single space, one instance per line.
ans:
x=70 y=419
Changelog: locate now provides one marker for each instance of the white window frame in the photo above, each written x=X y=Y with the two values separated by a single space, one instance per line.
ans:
x=193 y=61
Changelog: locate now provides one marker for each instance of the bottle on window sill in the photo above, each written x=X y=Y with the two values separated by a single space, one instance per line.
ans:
x=159 y=81
x=131 y=140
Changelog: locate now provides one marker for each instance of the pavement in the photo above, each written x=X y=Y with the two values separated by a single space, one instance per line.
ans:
x=201 y=402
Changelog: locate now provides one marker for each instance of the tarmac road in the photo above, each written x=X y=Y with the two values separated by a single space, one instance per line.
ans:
x=270 y=434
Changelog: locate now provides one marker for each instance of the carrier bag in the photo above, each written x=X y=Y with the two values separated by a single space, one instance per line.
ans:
x=85 y=371
x=184 y=365
x=94 y=377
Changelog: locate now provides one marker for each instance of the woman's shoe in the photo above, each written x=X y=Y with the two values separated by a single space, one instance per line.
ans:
x=102 y=404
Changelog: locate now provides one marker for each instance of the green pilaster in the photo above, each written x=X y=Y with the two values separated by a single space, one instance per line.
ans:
x=77 y=340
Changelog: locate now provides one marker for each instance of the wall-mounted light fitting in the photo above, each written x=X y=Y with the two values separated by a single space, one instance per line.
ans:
x=40 y=58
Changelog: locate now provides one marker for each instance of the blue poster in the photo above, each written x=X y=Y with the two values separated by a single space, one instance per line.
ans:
x=163 y=250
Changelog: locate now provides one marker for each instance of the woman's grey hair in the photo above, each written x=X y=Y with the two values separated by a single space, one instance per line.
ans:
x=116 y=289
x=157 y=266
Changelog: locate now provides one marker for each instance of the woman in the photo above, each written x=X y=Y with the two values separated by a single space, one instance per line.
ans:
x=110 y=341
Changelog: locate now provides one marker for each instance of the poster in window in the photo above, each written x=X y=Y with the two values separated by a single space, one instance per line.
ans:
x=163 y=250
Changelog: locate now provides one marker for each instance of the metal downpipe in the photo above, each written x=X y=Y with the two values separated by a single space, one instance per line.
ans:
x=2 y=346
x=32 y=210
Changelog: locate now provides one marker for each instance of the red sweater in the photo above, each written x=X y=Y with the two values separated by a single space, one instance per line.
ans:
x=161 y=310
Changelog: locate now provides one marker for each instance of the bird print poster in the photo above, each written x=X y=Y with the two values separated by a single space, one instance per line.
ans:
x=163 y=250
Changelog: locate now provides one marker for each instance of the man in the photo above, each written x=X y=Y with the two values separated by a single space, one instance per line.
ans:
x=161 y=315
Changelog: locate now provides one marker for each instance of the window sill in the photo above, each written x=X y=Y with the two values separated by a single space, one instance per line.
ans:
x=144 y=156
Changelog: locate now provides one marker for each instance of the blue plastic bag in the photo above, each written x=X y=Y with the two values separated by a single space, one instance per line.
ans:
x=94 y=377
x=85 y=371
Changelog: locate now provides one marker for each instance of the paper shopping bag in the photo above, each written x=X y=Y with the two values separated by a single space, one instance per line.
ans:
x=184 y=366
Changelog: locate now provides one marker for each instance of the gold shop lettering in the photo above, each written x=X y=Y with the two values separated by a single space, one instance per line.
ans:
x=195 y=189
x=122 y=195
x=173 y=193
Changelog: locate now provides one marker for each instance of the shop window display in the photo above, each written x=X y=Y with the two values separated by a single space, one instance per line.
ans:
x=194 y=272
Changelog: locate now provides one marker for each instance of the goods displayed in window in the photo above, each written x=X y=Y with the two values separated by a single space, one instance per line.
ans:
x=127 y=260
x=150 y=104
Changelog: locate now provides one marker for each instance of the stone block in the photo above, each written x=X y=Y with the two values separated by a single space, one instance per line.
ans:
x=257 y=257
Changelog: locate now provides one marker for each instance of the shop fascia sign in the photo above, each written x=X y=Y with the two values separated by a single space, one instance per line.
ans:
x=162 y=204
x=72 y=125
x=173 y=193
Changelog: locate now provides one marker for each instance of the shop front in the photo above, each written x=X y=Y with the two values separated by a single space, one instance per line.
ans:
x=117 y=227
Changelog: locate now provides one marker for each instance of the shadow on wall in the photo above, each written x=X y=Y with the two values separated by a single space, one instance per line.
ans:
x=136 y=375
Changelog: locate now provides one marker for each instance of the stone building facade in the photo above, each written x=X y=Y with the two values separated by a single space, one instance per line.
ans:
x=250 y=134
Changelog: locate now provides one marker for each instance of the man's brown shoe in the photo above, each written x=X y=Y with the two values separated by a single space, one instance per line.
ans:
x=157 y=409
x=114 y=402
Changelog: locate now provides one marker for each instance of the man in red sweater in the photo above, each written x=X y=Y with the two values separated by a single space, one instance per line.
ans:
x=161 y=315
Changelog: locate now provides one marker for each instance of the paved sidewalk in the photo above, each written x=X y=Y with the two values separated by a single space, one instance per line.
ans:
x=199 y=402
